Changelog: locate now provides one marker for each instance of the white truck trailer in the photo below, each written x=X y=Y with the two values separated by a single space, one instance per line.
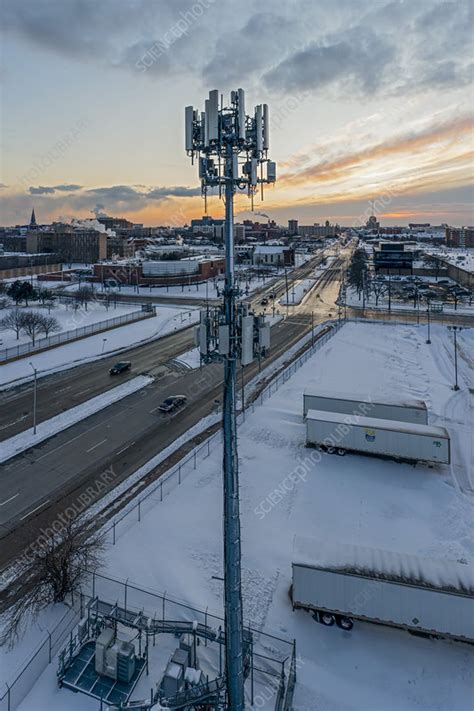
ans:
x=401 y=410
x=339 y=583
x=405 y=441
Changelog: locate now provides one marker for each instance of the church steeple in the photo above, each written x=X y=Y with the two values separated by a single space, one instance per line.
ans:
x=33 y=219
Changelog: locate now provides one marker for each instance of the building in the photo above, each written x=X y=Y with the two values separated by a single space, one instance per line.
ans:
x=460 y=237
x=115 y=223
x=292 y=227
x=160 y=273
x=13 y=265
x=394 y=258
x=317 y=230
x=85 y=246
x=274 y=256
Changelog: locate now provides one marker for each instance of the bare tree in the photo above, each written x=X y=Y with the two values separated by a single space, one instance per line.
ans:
x=32 y=324
x=84 y=295
x=49 y=324
x=13 y=321
x=53 y=568
x=379 y=287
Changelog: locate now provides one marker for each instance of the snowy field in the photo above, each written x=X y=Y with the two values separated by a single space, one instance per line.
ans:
x=167 y=319
x=370 y=302
x=212 y=289
x=354 y=499
x=68 y=318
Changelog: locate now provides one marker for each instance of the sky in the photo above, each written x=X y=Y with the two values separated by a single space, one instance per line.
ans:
x=370 y=100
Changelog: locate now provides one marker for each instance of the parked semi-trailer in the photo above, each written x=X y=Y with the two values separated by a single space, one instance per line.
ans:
x=341 y=433
x=401 y=410
x=340 y=583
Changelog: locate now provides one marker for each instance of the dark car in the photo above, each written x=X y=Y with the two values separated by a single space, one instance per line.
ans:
x=264 y=302
x=172 y=403
x=120 y=367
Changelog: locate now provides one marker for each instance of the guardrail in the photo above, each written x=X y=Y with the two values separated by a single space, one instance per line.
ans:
x=72 y=335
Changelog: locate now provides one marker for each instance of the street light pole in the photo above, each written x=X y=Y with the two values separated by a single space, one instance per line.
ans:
x=455 y=329
x=428 y=340
x=34 y=397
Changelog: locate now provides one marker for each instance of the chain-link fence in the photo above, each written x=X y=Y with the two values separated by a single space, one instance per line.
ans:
x=55 y=638
x=72 y=335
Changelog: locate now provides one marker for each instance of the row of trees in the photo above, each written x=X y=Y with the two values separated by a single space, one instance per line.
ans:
x=30 y=323
x=23 y=291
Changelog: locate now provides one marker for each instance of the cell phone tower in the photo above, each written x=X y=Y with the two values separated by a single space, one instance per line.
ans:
x=231 y=148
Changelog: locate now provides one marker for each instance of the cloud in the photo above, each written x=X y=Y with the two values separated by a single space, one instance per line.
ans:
x=359 y=56
x=177 y=191
x=41 y=190
x=67 y=187
x=50 y=190
x=331 y=168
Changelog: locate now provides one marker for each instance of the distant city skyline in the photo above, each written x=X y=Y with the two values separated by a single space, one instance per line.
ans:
x=367 y=102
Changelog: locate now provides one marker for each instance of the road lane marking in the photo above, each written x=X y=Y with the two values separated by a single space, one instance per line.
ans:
x=124 y=448
x=10 y=499
x=96 y=445
x=33 y=510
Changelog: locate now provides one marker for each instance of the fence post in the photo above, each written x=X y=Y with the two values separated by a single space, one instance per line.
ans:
x=49 y=647
x=93 y=584
x=8 y=697
x=113 y=529
x=195 y=460
x=139 y=502
x=161 y=491
x=179 y=474
x=125 y=594
x=208 y=447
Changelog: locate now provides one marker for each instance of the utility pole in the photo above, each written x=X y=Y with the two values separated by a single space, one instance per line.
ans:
x=287 y=292
x=34 y=397
x=217 y=137
x=428 y=340
x=312 y=328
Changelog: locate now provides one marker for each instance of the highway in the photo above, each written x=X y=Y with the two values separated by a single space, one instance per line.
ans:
x=61 y=391
x=39 y=483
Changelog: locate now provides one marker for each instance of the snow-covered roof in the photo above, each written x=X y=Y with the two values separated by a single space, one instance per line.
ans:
x=377 y=423
x=261 y=249
x=394 y=401
x=385 y=564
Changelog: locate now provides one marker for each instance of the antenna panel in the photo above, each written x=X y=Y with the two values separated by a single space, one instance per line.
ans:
x=241 y=115
x=259 y=128
x=266 y=128
x=212 y=115
x=188 y=122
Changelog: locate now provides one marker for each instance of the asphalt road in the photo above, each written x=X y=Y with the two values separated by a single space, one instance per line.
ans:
x=131 y=432
x=61 y=391
x=38 y=484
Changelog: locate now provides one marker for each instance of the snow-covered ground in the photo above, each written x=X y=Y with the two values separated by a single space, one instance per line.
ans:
x=370 y=302
x=68 y=318
x=167 y=319
x=212 y=289
x=25 y=440
x=354 y=499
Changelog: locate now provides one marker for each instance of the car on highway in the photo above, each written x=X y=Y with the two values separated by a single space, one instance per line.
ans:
x=120 y=367
x=264 y=302
x=173 y=402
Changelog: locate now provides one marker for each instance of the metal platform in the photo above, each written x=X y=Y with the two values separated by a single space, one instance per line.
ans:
x=82 y=676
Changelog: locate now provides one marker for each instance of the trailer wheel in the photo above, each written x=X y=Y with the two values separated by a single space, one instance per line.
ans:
x=326 y=619
x=345 y=623
x=330 y=450
x=341 y=452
